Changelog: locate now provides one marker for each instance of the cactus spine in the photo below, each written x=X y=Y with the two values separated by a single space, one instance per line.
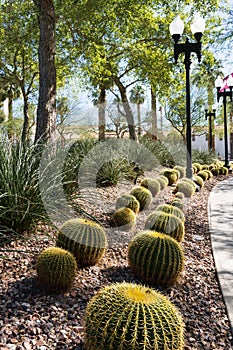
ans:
x=166 y=208
x=56 y=269
x=143 y=195
x=156 y=258
x=128 y=201
x=125 y=316
x=152 y=185
x=168 y=224
x=84 y=238
x=124 y=218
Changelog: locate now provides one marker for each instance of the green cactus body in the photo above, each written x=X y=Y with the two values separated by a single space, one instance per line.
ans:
x=171 y=175
x=165 y=223
x=143 y=195
x=186 y=188
x=171 y=210
x=179 y=195
x=124 y=218
x=125 y=316
x=199 y=181
x=198 y=166
x=84 y=238
x=194 y=169
x=56 y=269
x=223 y=170
x=156 y=258
x=181 y=170
x=178 y=203
x=215 y=171
x=203 y=174
x=152 y=185
x=128 y=201
x=163 y=181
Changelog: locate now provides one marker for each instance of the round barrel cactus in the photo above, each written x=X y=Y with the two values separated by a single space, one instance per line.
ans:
x=203 y=174
x=143 y=195
x=178 y=203
x=128 y=201
x=181 y=170
x=167 y=208
x=165 y=223
x=199 y=181
x=85 y=239
x=152 y=185
x=124 y=218
x=179 y=195
x=186 y=187
x=198 y=166
x=171 y=175
x=156 y=258
x=215 y=171
x=128 y=316
x=56 y=269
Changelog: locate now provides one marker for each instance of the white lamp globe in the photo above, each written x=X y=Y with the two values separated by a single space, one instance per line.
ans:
x=176 y=26
x=218 y=82
x=198 y=24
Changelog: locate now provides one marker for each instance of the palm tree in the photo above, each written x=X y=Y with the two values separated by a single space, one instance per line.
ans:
x=137 y=95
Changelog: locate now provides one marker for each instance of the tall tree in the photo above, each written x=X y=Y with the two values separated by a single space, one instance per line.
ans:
x=137 y=96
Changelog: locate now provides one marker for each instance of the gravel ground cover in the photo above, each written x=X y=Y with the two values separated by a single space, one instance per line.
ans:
x=32 y=319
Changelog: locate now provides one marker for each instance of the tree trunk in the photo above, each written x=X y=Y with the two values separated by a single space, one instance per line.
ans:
x=46 y=111
x=154 y=122
x=127 y=108
x=26 y=126
x=10 y=126
x=139 y=120
x=101 y=107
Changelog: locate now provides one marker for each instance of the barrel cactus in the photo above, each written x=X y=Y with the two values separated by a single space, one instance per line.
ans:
x=143 y=195
x=198 y=166
x=85 y=239
x=181 y=170
x=186 y=188
x=163 y=181
x=178 y=203
x=156 y=258
x=128 y=201
x=168 y=224
x=56 y=269
x=203 y=174
x=167 y=208
x=171 y=175
x=129 y=316
x=179 y=195
x=152 y=185
x=124 y=218
x=215 y=171
x=199 y=181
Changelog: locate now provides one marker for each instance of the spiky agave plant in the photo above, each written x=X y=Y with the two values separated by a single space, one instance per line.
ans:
x=156 y=258
x=132 y=317
x=56 y=269
x=85 y=239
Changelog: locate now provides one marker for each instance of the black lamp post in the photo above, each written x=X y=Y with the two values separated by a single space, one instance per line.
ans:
x=176 y=30
x=210 y=115
x=224 y=93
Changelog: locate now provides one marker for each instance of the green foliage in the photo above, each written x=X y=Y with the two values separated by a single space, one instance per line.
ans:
x=128 y=201
x=163 y=181
x=85 y=239
x=143 y=195
x=156 y=258
x=171 y=210
x=171 y=175
x=187 y=188
x=152 y=185
x=124 y=218
x=159 y=150
x=56 y=269
x=132 y=317
x=203 y=157
x=165 y=223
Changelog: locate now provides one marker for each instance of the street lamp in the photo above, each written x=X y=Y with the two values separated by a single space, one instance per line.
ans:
x=224 y=93
x=210 y=115
x=176 y=30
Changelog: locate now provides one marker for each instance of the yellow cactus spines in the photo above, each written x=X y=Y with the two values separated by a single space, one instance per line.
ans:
x=143 y=195
x=125 y=316
x=163 y=181
x=85 y=239
x=56 y=269
x=128 y=201
x=152 y=185
x=165 y=223
x=156 y=258
x=124 y=219
x=181 y=170
x=171 y=175
x=171 y=210
x=186 y=187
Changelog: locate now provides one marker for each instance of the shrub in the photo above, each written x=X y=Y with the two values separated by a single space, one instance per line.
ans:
x=186 y=188
x=163 y=181
x=171 y=175
x=56 y=269
x=128 y=201
x=123 y=218
x=85 y=239
x=203 y=174
x=168 y=224
x=181 y=170
x=152 y=185
x=166 y=208
x=143 y=195
x=132 y=317
x=156 y=258
x=178 y=204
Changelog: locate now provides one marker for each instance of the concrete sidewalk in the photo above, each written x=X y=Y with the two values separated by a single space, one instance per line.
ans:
x=221 y=229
